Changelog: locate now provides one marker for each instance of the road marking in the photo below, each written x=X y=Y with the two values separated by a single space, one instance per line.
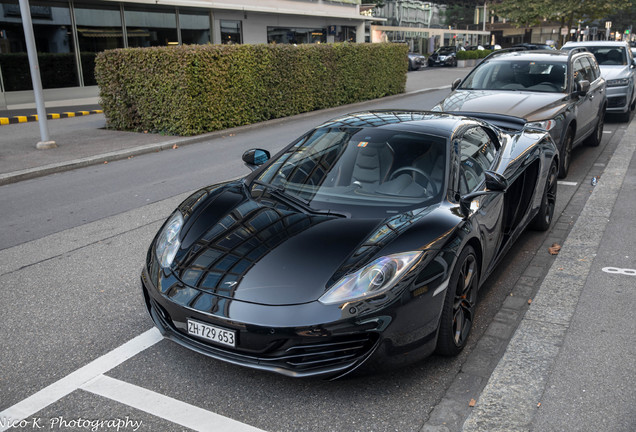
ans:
x=71 y=382
x=566 y=183
x=163 y=406
x=607 y=132
x=615 y=270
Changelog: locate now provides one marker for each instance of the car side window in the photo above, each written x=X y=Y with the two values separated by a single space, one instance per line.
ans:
x=595 y=68
x=580 y=73
x=478 y=152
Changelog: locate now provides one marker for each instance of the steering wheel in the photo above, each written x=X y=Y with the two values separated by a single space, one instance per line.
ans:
x=418 y=171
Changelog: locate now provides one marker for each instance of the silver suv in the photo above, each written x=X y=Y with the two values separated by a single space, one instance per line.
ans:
x=618 y=67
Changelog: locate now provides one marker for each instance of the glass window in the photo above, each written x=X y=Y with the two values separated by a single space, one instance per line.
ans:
x=582 y=71
x=296 y=35
x=345 y=34
x=231 y=32
x=478 y=154
x=195 y=26
x=53 y=41
x=361 y=170
x=98 y=29
x=151 y=26
x=539 y=76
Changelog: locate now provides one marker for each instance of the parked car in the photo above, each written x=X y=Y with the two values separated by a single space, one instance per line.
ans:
x=618 y=68
x=560 y=91
x=445 y=56
x=364 y=242
x=416 y=61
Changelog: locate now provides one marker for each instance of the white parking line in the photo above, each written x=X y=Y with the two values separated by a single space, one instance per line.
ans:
x=566 y=183
x=164 y=407
x=56 y=391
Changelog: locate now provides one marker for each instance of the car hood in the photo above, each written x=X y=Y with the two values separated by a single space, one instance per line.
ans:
x=615 y=72
x=267 y=253
x=531 y=106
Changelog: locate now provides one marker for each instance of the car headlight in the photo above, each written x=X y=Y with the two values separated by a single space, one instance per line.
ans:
x=544 y=125
x=371 y=280
x=617 y=82
x=168 y=241
x=442 y=57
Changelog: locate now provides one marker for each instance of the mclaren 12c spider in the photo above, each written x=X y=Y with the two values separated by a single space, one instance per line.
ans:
x=362 y=243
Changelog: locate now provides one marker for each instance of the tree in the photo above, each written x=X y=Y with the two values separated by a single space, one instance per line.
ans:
x=565 y=12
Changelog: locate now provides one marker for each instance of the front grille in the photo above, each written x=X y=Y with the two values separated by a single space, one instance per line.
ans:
x=616 y=102
x=335 y=352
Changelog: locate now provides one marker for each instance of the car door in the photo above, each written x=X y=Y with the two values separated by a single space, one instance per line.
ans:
x=479 y=153
x=586 y=106
x=597 y=85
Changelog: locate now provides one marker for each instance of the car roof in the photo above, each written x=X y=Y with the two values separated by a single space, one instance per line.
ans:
x=596 y=43
x=552 y=55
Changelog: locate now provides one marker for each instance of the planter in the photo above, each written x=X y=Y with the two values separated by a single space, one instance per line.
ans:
x=466 y=63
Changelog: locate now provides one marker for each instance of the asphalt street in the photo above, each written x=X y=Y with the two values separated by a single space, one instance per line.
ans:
x=71 y=249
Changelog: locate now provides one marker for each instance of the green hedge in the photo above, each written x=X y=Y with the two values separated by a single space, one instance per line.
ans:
x=192 y=89
x=472 y=54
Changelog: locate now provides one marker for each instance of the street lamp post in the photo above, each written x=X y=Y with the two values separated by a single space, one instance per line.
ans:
x=25 y=11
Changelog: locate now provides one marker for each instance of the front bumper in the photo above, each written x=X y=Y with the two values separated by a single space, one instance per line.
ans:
x=618 y=99
x=305 y=347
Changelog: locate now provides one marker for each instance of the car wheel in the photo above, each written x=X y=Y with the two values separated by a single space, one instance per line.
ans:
x=543 y=219
x=595 y=139
x=566 y=153
x=459 y=305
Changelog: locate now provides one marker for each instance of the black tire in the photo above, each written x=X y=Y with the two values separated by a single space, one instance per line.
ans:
x=459 y=305
x=543 y=219
x=595 y=139
x=565 y=154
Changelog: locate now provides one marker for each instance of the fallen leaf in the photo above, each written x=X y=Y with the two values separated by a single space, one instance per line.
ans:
x=105 y=162
x=529 y=301
x=472 y=403
x=174 y=147
x=554 y=249
x=539 y=404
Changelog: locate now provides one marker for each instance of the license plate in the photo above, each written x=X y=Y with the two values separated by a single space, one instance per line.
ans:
x=212 y=333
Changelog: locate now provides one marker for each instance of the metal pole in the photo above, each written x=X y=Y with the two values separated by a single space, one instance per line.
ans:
x=25 y=11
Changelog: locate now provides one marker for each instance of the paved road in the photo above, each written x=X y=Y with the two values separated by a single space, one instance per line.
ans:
x=69 y=266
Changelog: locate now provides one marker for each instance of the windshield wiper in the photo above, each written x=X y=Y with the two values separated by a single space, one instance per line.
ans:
x=293 y=200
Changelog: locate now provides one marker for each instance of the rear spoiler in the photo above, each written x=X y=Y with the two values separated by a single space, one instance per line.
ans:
x=500 y=120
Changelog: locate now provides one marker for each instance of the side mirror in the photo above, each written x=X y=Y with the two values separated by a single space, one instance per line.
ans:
x=582 y=87
x=254 y=158
x=456 y=84
x=495 y=182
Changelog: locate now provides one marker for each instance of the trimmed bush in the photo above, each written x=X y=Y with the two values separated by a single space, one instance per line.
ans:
x=472 y=54
x=193 y=89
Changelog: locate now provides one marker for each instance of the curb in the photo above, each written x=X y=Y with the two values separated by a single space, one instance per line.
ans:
x=51 y=116
x=26 y=174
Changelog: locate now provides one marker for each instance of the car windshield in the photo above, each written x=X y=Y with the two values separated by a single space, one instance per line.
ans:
x=351 y=168
x=608 y=55
x=446 y=50
x=525 y=75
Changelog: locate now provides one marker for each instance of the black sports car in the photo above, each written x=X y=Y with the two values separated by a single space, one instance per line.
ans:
x=362 y=242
